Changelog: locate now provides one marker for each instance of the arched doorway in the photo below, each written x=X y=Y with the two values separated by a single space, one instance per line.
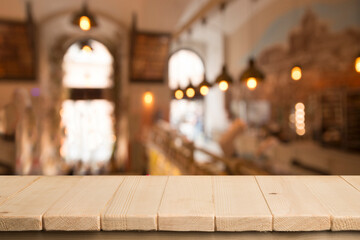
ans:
x=187 y=116
x=87 y=113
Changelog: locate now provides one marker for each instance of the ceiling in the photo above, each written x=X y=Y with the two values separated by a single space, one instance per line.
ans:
x=153 y=15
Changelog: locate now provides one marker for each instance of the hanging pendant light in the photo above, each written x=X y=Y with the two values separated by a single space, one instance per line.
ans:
x=252 y=75
x=190 y=91
x=204 y=87
x=178 y=93
x=224 y=80
x=84 y=19
x=296 y=73
x=357 y=63
x=85 y=46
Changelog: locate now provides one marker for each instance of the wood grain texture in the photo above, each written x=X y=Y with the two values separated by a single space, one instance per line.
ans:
x=24 y=211
x=80 y=208
x=239 y=205
x=10 y=185
x=292 y=204
x=339 y=197
x=353 y=180
x=187 y=204
x=136 y=235
x=183 y=203
x=135 y=204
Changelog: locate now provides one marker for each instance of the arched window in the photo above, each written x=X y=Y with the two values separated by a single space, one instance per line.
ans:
x=183 y=66
x=88 y=67
x=86 y=115
x=186 y=115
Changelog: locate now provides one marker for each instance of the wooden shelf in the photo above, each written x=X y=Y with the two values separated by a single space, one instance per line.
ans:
x=180 y=203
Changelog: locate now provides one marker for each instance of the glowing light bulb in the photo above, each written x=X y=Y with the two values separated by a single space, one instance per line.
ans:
x=84 y=23
x=299 y=106
x=223 y=85
x=357 y=64
x=87 y=49
x=300 y=125
x=300 y=132
x=179 y=94
x=296 y=73
x=190 y=92
x=300 y=118
x=251 y=83
x=148 y=98
x=204 y=90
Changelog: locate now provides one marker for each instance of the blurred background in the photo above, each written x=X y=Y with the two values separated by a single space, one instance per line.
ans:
x=172 y=87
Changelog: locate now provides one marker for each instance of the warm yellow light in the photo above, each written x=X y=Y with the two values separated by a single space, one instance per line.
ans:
x=300 y=125
x=300 y=132
x=190 y=92
x=251 y=83
x=223 y=85
x=148 y=98
x=296 y=73
x=179 y=94
x=299 y=106
x=300 y=119
x=86 y=48
x=84 y=23
x=357 y=64
x=204 y=90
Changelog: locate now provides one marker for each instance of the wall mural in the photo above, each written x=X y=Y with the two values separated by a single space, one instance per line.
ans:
x=329 y=82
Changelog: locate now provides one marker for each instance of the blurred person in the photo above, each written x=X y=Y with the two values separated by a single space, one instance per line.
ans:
x=266 y=147
x=226 y=141
x=23 y=123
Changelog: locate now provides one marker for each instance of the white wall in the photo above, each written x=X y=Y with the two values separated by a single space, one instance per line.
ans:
x=208 y=41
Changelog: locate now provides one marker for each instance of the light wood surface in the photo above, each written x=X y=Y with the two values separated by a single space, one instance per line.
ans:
x=136 y=235
x=183 y=203
x=135 y=205
x=340 y=198
x=79 y=209
x=292 y=204
x=24 y=211
x=239 y=205
x=10 y=185
x=353 y=180
x=187 y=205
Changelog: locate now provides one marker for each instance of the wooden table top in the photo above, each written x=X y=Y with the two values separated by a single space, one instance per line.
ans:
x=180 y=203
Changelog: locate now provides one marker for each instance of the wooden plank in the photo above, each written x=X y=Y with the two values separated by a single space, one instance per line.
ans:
x=340 y=198
x=135 y=204
x=79 y=209
x=10 y=185
x=187 y=204
x=24 y=211
x=239 y=205
x=353 y=180
x=293 y=205
x=132 y=235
